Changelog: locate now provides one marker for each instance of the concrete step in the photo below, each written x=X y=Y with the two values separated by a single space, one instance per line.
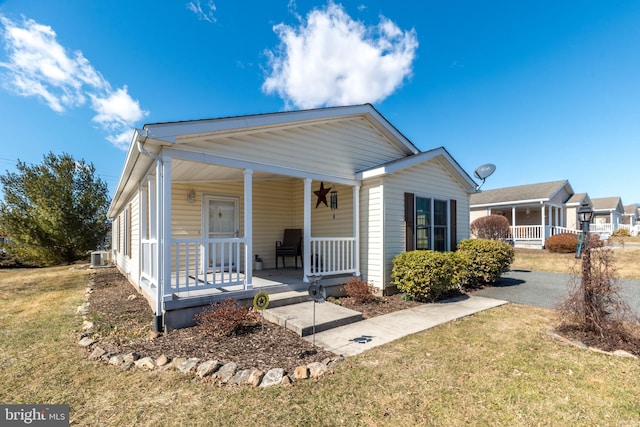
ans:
x=279 y=299
x=299 y=317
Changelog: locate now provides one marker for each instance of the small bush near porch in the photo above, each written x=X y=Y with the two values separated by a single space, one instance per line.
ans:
x=430 y=275
x=486 y=261
x=492 y=227
x=563 y=243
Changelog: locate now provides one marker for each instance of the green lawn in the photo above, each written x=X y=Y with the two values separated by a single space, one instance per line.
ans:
x=497 y=368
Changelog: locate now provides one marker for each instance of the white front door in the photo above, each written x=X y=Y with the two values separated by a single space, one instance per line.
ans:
x=220 y=220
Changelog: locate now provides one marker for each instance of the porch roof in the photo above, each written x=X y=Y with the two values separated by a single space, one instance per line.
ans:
x=439 y=153
x=520 y=194
x=608 y=204
x=578 y=199
x=147 y=143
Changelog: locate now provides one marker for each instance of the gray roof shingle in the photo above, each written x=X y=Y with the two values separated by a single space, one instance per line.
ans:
x=541 y=191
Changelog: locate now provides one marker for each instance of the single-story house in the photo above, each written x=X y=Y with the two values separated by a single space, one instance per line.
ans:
x=607 y=214
x=534 y=211
x=199 y=201
x=571 y=209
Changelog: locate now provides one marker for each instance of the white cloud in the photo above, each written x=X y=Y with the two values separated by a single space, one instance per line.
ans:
x=37 y=65
x=333 y=60
x=117 y=112
x=206 y=14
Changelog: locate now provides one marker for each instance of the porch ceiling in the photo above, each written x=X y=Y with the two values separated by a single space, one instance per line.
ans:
x=183 y=170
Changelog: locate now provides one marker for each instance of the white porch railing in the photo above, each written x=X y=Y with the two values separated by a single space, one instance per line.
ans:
x=563 y=230
x=534 y=233
x=207 y=264
x=526 y=232
x=601 y=228
x=149 y=265
x=332 y=255
x=199 y=264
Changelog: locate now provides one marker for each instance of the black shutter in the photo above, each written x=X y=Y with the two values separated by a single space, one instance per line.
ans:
x=453 y=223
x=409 y=215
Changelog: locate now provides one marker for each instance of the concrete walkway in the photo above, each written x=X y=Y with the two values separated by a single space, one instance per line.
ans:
x=354 y=338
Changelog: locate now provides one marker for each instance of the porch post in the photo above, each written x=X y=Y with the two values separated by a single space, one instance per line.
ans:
x=306 y=241
x=163 y=181
x=543 y=232
x=248 y=229
x=513 y=216
x=356 y=229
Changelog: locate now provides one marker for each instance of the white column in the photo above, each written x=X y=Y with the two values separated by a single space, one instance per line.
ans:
x=164 y=239
x=513 y=216
x=306 y=242
x=356 y=228
x=543 y=232
x=248 y=229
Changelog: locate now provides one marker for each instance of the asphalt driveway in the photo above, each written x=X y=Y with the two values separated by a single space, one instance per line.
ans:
x=544 y=289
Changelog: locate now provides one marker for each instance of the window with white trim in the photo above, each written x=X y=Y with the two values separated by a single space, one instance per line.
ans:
x=431 y=224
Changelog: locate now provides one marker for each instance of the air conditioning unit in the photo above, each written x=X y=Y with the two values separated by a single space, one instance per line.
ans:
x=100 y=259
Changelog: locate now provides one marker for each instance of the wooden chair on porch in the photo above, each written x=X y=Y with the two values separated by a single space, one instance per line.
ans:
x=290 y=246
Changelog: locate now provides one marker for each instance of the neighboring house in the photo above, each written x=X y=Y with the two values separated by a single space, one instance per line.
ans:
x=535 y=211
x=630 y=219
x=571 y=208
x=607 y=214
x=199 y=200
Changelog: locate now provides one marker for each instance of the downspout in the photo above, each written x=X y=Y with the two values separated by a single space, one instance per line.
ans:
x=140 y=140
x=157 y=318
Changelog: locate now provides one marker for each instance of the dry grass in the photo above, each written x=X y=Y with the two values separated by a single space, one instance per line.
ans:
x=496 y=368
x=626 y=259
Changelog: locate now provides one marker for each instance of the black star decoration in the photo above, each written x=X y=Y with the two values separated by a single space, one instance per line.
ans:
x=322 y=195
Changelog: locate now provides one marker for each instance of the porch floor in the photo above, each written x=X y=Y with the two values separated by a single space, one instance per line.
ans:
x=274 y=280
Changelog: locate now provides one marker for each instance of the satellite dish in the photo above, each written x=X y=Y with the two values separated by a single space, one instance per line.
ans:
x=483 y=172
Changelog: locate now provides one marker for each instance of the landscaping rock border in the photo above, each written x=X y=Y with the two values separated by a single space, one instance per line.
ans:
x=580 y=344
x=205 y=370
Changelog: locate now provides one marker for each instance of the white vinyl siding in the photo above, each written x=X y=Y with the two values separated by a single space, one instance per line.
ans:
x=277 y=204
x=428 y=179
x=338 y=148
x=127 y=231
x=371 y=232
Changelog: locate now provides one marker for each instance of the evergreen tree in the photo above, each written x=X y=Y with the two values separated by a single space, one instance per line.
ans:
x=54 y=212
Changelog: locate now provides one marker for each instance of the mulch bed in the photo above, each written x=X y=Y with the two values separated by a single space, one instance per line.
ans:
x=123 y=323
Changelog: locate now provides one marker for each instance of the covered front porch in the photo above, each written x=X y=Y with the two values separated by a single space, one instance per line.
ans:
x=204 y=221
x=531 y=224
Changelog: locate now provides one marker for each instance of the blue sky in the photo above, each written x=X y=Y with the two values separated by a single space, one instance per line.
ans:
x=544 y=90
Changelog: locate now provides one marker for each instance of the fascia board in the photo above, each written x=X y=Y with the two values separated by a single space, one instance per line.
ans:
x=510 y=203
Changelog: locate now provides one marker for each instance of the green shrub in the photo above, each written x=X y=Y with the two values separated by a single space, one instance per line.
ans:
x=562 y=243
x=424 y=275
x=621 y=232
x=482 y=261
